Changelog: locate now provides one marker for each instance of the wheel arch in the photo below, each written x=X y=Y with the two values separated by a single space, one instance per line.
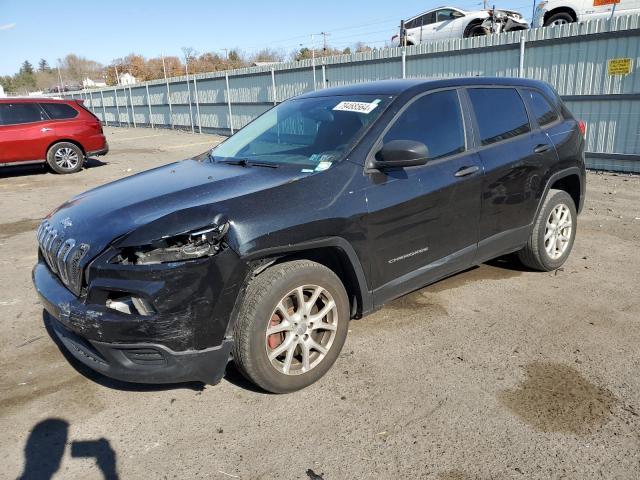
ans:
x=572 y=185
x=335 y=253
x=571 y=181
x=568 y=10
x=471 y=24
x=66 y=140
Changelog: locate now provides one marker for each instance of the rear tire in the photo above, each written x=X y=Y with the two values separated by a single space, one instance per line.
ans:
x=307 y=335
x=65 y=157
x=558 y=19
x=553 y=233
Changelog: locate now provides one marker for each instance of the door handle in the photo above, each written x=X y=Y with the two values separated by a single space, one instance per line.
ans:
x=464 y=171
x=543 y=147
x=45 y=129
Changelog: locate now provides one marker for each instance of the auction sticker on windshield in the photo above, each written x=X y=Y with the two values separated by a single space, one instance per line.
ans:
x=358 y=107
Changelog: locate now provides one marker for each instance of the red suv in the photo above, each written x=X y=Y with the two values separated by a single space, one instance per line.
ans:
x=60 y=132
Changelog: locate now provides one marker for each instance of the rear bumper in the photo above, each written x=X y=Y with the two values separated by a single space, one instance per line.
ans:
x=142 y=362
x=97 y=153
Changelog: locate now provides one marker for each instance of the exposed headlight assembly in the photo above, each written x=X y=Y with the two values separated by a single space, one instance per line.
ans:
x=203 y=242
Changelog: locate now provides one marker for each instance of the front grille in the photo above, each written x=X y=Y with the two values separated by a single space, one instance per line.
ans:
x=62 y=256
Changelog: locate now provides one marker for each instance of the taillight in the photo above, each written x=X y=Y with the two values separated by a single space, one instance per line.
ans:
x=583 y=128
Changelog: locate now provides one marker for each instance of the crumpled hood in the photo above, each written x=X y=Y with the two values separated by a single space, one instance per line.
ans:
x=166 y=200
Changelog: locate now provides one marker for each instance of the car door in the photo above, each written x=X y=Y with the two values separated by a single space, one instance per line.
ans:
x=443 y=25
x=423 y=220
x=25 y=132
x=419 y=28
x=459 y=23
x=514 y=159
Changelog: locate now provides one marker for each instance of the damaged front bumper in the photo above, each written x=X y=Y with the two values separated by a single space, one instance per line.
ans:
x=185 y=339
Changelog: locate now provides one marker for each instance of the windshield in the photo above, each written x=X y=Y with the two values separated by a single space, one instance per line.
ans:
x=310 y=132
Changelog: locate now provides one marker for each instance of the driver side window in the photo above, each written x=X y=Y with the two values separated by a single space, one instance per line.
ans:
x=444 y=15
x=435 y=120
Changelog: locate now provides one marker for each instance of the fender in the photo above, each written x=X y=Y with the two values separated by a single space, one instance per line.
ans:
x=555 y=177
x=366 y=296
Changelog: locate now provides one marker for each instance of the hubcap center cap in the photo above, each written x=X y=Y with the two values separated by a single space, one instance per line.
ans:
x=302 y=328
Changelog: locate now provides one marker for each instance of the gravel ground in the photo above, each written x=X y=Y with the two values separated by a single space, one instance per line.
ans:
x=494 y=373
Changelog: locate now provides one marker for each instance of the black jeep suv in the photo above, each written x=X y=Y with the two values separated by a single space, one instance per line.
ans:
x=321 y=210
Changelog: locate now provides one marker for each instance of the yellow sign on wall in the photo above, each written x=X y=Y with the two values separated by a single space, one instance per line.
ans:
x=619 y=66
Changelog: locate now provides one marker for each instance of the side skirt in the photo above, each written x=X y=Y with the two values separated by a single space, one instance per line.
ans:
x=425 y=275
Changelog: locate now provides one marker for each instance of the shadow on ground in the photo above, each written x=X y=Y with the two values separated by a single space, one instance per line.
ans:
x=46 y=446
x=40 y=168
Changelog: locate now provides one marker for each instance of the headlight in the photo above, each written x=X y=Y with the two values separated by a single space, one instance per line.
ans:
x=199 y=243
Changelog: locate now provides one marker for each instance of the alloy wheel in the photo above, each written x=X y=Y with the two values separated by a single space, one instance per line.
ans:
x=557 y=233
x=301 y=330
x=66 y=158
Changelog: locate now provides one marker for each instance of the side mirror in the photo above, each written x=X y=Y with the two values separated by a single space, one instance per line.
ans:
x=401 y=153
x=455 y=14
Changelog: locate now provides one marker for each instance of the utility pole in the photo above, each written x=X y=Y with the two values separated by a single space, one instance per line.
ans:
x=313 y=59
x=164 y=70
x=59 y=78
x=187 y=57
x=324 y=40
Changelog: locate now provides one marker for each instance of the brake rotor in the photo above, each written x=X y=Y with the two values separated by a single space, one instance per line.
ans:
x=277 y=338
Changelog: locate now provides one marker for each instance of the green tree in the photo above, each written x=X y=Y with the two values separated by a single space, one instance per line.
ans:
x=43 y=65
x=26 y=68
x=303 y=53
x=7 y=83
x=24 y=80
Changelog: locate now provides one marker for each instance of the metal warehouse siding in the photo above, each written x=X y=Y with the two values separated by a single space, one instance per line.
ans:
x=572 y=58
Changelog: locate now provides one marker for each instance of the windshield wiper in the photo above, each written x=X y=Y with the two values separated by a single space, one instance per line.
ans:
x=243 y=162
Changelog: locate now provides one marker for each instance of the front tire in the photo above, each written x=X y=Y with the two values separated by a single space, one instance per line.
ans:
x=478 y=31
x=65 y=157
x=553 y=234
x=291 y=326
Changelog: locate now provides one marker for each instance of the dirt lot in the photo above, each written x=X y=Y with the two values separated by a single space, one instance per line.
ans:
x=495 y=373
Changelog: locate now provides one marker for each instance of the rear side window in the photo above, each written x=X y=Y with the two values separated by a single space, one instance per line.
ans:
x=17 y=113
x=59 y=111
x=81 y=105
x=542 y=109
x=434 y=120
x=425 y=19
x=500 y=113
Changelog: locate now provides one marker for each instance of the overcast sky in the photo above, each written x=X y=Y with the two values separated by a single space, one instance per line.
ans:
x=108 y=29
